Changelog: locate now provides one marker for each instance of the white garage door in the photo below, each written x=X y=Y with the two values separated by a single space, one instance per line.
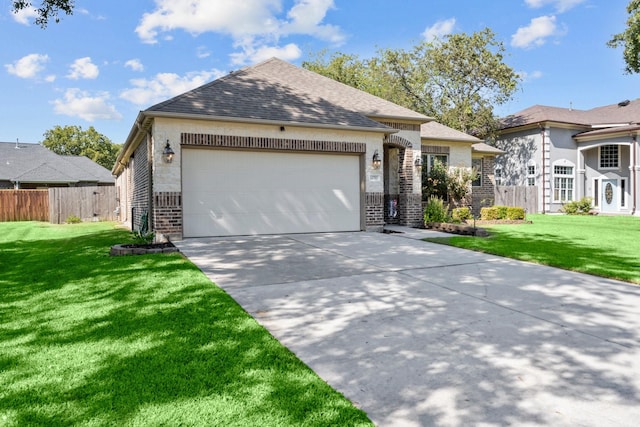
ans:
x=228 y=193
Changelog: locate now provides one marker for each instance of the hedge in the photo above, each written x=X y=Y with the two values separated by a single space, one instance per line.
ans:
x=501 y=212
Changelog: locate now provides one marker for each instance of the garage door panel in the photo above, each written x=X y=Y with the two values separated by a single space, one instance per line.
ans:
x=243 y=192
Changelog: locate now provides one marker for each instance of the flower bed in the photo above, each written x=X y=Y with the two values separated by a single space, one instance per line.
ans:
x=462 y=229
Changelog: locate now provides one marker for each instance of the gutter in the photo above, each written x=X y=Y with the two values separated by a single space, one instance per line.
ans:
x=544 y=175
x=382 y=129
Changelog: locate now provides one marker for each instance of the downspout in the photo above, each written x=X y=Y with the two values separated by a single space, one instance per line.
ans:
x=544 y=177
x=634 y=173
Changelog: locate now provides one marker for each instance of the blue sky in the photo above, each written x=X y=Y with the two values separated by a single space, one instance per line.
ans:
x=114 y=58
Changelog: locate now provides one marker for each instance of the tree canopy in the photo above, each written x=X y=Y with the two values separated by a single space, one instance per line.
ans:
x=458 y=79
x=48 y=9
x=74 y=141
x=629 y=39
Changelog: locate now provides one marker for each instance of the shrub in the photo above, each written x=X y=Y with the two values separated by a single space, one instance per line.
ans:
x=515 y=213
x=72 y=219
x=436 y=210
x=489 y=214
x=461 y=214
x=501 y=212
x=579 y=207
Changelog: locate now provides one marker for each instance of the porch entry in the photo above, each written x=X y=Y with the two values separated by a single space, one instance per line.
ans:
x=609 y=195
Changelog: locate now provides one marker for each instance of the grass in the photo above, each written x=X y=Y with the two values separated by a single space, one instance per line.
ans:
x=607 y=246
x=92 y=340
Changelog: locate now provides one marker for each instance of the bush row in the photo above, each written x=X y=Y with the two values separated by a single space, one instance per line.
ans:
x=501 y=212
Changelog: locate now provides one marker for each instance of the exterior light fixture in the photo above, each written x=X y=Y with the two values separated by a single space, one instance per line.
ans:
x=167 y=153
x=418 y=163
x=375 y=161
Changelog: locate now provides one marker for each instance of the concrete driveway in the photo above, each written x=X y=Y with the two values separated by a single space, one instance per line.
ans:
x=418 y=334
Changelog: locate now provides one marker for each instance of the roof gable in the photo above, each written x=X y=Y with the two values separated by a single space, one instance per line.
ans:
x=623 y=113
x=275 y=90
x=435 y=130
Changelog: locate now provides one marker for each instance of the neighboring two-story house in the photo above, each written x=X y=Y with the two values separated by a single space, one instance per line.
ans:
x=569 y=154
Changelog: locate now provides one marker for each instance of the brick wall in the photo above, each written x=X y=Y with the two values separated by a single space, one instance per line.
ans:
x=483 y=196
x=167 y=213
x=140 y=190
x=374 y=210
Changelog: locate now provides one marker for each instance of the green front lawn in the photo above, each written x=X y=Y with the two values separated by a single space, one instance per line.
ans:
x=89 y=339
x=607 y=246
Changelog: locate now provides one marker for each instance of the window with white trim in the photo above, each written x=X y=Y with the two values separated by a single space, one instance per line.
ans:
x=498 y=175
x=531 y=175
x=563 y=183
x=609 y=157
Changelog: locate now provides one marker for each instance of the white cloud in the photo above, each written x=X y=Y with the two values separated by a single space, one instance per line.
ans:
x=289 y=52
x=560 y=5
x=439 y=29
x=536 y=33
x=28 y=66
x=202 y=52
x=254 y=25
x=78 y=103
x=166 y=85
x=529 y=76
x=25 y=16
x=83 y=68
x=134 y=64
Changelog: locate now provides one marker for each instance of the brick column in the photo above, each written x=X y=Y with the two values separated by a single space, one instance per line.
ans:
x=167 y=214
x=374 y=206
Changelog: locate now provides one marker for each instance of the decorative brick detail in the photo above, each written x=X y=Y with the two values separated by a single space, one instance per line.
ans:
x=374 y=206
x=410 y=210
x=435 y=149
x=231 y=141
x=167 y=213
x=403 y=126
x=397 y=141
x=406 y=171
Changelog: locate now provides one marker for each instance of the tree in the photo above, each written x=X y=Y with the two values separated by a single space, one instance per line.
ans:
x=458 y=80
x=74 y=141
x=49 y=9
x=629 y=39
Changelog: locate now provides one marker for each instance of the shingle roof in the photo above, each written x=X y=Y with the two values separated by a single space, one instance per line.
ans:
x=275 y=90
x=435 y=130
x=35 y=163
x=481 y=147
x=622 y=113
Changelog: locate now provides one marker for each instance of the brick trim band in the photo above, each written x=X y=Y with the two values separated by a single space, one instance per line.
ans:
x=260 y=143
x=402 y=126
x=398 y=141
x=435 y=149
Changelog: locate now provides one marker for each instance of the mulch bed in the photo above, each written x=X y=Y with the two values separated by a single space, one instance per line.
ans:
x=142 y=249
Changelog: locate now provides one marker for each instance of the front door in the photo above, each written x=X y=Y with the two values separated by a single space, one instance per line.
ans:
x=609 y=195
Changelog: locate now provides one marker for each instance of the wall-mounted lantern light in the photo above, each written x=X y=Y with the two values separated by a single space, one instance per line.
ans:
x=418 y=163
x=375 y=161
x=167 y=153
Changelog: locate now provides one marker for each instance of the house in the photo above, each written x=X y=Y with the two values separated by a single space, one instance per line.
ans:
x=458 y=149
x=569 y=154
x=30 y=166
x=270 y=149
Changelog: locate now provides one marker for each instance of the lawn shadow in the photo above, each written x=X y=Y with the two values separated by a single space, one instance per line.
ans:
x=89 y=338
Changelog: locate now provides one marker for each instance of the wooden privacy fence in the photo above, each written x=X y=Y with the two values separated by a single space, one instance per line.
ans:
x=519 y=196
x=56 y=205
x=24 y=205
x=86 y=203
